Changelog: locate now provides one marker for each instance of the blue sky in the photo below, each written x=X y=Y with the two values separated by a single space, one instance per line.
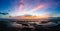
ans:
x=12 y=5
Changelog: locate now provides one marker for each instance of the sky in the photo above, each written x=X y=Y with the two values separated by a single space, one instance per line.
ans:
x=33 y=7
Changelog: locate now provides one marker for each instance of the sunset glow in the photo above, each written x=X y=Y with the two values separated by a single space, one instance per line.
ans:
x=37 y=8
x=31 y=11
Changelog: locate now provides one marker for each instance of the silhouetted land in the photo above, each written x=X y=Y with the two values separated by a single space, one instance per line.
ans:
x=8 y=25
